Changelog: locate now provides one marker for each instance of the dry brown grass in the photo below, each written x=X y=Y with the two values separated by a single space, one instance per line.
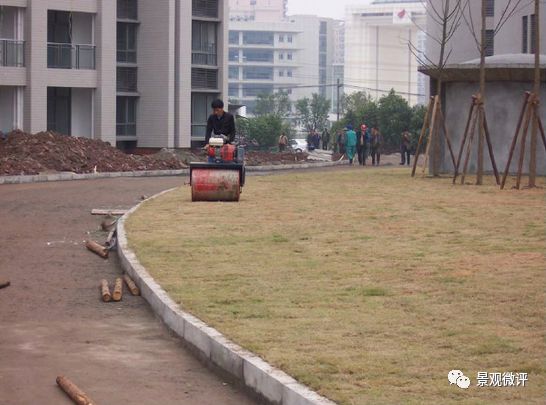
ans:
x=366 y=285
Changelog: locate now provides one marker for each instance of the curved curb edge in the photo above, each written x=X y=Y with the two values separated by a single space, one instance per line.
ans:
x=211 y=346
x=67 y=176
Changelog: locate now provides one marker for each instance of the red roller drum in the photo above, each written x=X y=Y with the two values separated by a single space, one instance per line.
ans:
x=215 y=185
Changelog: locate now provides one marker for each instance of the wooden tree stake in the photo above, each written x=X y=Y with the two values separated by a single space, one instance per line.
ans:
x=97 y=248
x=105 y=291
x=131 y=285
x=118 y=290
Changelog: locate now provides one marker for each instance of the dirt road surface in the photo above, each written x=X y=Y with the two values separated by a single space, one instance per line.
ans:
x=52 y=321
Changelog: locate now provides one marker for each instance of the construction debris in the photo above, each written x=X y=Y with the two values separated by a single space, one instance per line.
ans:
x=4 y=283
x=105 y=291
x=111 y=240
x=97 y=248
x=131 y=285
x=110 y=212
x=22 y=153
x=75 y=394
x=118 y=290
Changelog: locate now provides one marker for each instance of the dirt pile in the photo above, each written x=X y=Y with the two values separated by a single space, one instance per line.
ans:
x=256 y=158
x=22 y=153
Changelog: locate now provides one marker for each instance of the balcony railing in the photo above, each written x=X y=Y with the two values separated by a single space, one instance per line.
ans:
x=12 y=53
x=69 y=56
x=204 y=56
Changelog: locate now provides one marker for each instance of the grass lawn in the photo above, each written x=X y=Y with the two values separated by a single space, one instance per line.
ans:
x=366 y=285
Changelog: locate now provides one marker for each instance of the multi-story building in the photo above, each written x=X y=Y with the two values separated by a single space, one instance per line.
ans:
x=516 y=35
x=377 y=55
x=61 y=70
x=294 y=56
x=257 y=10
x=338 y=63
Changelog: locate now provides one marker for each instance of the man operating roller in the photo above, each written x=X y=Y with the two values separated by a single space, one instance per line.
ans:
x=220 y=123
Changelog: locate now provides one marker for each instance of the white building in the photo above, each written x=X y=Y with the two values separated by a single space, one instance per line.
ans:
x=515 y=36
x=377 y=55
x=257 y=10
x=295 y=55
x=62 y=69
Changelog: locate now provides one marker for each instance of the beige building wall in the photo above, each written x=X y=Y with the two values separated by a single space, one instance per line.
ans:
x=258 y=10
x=377 y=55
x=164 y=69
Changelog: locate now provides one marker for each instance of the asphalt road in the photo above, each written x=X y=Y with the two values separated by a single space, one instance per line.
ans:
x=52 y=321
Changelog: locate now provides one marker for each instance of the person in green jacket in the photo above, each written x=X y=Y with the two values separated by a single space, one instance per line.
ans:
x=350 y=143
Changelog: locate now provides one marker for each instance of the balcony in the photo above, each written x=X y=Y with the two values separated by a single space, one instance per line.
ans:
x=204 y=56
x=70 y=56
x=12 y=53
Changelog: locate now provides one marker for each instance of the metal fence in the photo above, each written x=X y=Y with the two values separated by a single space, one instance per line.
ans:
x=12 y=53
x=69 y=56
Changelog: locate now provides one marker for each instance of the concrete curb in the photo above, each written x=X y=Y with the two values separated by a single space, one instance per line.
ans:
x=210 y=345
x=67 y=176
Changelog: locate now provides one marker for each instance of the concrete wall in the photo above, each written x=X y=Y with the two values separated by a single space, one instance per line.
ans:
x=503 y=105
x=82 y=112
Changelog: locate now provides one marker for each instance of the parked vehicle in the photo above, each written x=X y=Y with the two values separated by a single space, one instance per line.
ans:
x=298 y=145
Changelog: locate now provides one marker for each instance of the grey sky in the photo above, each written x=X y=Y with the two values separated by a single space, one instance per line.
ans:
x=323 y=8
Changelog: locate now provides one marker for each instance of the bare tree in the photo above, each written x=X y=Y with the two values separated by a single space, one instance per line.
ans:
x=447 y=16
x=479 y=36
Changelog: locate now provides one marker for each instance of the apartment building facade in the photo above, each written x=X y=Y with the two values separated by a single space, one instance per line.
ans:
x=377 y=55
x=136 y=73
x=258 y=10
x=294 y=55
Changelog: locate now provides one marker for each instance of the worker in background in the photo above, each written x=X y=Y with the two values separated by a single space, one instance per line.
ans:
x=340 y=141
x=325 y=139
x=310 y=143
x=283 y=142
x=405 y=147
x=350 y=143
x=220 y=122
x=316 y=139
x=376 y=143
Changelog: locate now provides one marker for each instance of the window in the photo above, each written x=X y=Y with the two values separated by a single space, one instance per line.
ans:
x=258 y=73
x=233 y=73
x=257 y=38
x=322 y=59
x=127 y=10
x=281 y=56
x=233 y=90
x=126 y=42
x=322 y=43
x=202 y=78
x=253 y=90
x=489 y=42
x=200 y=107
x=234 y=55
x=289 y=38
x=234 y=37
x=281 y=73
x=323 y=28
x=289 y=56
x=281 y=38
x=205 y=8
x=532 y=45
x=127 y=79
x=289 y=91
x=524 y=34
x=203 y=43
x=289 y=73
x=257 y=55
x=489 y=8
x=126 y=113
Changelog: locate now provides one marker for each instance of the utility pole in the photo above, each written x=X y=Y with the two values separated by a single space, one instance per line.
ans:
x=338 y=95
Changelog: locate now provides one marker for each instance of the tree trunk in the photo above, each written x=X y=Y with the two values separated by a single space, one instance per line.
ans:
x=536 y=91
x=479 y=170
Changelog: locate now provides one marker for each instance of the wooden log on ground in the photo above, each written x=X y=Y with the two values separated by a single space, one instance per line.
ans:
x=4 y=283
x=116 y=212
x=109 y=223
x=75 y=394
x=97 y=248
x=118 y=290
x=110 y=240
x=131 y=285
x=105 y=291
